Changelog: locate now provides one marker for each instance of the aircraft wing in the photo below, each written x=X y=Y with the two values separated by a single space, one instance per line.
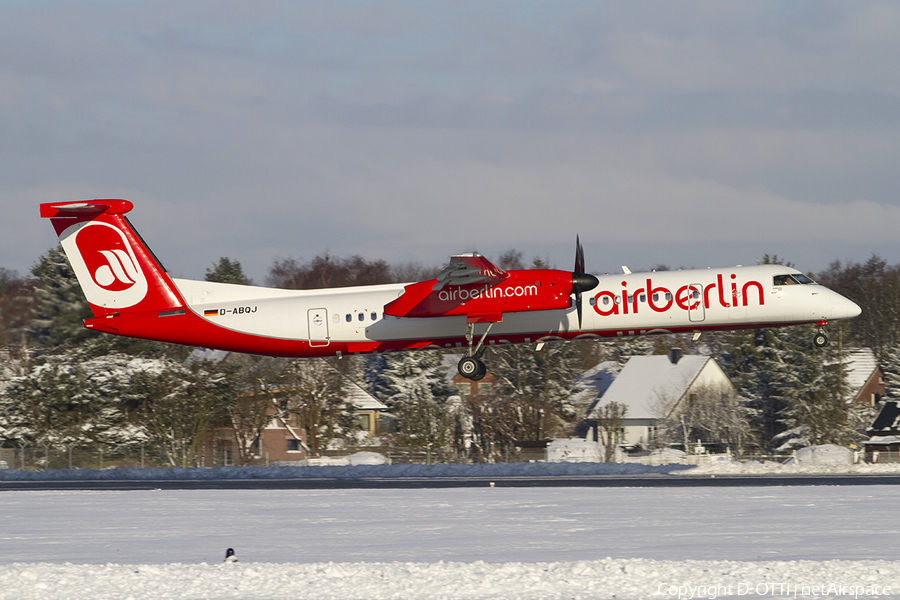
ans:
x=462 y=281
x=469 y=268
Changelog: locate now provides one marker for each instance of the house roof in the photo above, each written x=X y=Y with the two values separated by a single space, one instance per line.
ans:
x=882 y=440
x=888 y=420
x=859 y=365
x=361 y=399
x=593 y=383
x=651 y=385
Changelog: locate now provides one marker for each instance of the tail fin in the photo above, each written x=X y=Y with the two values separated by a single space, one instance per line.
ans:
x=115 y=268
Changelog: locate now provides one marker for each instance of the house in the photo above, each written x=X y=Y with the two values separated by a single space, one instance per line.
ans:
x=883 y=444
x=652 y=388
x=466 y=387
x=864 y=379
x=592 y=384
x=283 y=439
x=369 y=413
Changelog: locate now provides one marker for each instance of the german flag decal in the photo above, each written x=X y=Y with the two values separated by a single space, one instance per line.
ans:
x=211 y=313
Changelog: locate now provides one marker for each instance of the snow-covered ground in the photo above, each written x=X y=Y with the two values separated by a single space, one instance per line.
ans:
x=504 y=543
x=817 y=459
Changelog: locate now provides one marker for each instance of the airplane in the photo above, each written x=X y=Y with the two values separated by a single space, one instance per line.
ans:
x=471 y=306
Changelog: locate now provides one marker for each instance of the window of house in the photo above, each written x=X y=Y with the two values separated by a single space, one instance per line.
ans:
x=293 y=445
x=464 y=388
x=484 y=388
x=362 y=421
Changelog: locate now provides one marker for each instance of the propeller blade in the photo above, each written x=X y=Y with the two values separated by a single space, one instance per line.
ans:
x=581 y=281
x=578 y=309
x=579 y=255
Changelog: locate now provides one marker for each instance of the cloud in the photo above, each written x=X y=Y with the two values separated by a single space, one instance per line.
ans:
x=402 y=129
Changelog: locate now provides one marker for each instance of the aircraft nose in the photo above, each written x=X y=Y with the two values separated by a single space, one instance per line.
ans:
x=844 y=308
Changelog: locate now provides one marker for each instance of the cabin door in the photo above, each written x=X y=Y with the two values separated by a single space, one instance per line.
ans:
x=696 y=312
x=317 y=319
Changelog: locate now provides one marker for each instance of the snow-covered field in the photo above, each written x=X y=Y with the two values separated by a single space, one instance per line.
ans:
x=502 y=543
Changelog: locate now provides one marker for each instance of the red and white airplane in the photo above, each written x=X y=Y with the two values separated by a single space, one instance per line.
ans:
x=471 y=306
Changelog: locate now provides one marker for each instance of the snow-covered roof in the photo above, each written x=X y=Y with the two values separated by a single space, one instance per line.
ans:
x=210 y=354
x=361 y=399
x=888 y=419
x=651 y=385
x=593 y=383
x=860 y=365
x=882 y=440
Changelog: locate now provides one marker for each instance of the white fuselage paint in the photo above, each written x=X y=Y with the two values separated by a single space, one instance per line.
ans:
x=285 y=314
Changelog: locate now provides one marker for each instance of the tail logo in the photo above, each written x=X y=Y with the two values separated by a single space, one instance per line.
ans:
x=106 y=266
x=118 y=273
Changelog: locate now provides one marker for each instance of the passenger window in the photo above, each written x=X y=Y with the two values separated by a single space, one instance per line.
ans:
x=362 y=316
x=643 y=297
x=349 y=318
x=335 y=318
x=374 y=316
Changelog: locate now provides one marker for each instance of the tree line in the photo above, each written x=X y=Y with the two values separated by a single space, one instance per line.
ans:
x=63 y=384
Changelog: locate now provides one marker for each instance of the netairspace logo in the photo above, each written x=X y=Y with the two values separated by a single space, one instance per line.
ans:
x=777 y=590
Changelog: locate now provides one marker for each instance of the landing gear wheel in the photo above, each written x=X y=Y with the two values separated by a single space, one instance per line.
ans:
x=482 y=371
x=820 y=340
x=471 y=368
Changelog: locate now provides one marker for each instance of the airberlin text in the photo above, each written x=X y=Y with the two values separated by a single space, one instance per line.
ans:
x=455 y=294
x=711 y=591
x=687 y=297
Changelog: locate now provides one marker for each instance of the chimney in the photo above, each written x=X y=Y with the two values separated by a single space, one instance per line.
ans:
x=675 y=356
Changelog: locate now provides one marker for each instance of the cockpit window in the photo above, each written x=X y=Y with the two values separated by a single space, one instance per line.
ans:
x=792 y=279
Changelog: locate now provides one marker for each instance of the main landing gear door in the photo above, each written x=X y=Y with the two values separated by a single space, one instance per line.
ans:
x=318 y=326
x=696 y=312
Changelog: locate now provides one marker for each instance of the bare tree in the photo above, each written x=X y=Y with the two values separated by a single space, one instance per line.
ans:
x=327 y=271
x=610 y=419
x=315 y=396
x=181 y=406
x=710 y=414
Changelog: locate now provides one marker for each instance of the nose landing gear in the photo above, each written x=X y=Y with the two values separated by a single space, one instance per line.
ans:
x=820 y=340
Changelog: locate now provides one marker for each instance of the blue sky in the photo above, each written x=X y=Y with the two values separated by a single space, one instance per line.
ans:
x=690 y=134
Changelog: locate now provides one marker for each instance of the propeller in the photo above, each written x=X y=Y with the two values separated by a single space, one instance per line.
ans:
x=581 y=281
